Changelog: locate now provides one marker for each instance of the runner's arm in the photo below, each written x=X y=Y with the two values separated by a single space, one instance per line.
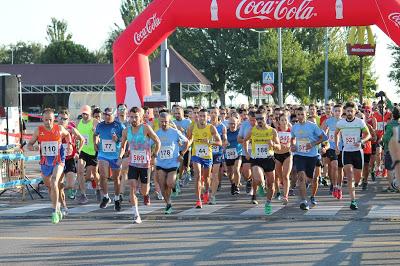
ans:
x=123 y=143
x=79 y=137
x=151 y=134
x=337 y=131
x=217 y=139
x=276 y=142
x=33 y=140
x=366 y=135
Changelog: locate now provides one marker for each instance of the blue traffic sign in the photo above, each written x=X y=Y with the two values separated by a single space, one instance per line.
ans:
x=268 y=77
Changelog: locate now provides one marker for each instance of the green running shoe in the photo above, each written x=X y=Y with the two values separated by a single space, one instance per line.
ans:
x=168 y=209
x=354 y=205
x=260 y=191
x=54 y=218
x=213 y=200
x=268 y=208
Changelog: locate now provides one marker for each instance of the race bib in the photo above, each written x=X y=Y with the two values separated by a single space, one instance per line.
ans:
x=138 y=157
x=331 y=136
x=215 y=149
x=302 y=145
x=261 y=150
x=86 y=139
x=381 y=126
x=284 y=137
x=166 y=153
x=49 y=148
x=108 y=146
x=351 y=137
x=202 y=151
x=231 y=154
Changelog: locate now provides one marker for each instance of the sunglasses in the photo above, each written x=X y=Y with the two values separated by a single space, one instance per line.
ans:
x=63 y=118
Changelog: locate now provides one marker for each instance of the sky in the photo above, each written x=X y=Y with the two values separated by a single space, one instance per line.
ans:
x=90 y=21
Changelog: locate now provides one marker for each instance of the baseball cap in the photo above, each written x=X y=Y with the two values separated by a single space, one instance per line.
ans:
x=86 y=109
x=108 y=111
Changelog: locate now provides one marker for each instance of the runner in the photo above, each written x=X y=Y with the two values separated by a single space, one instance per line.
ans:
x=218 y=156
x=169 y=157
x=367 y=152
x=329 y=127
x=382 y=117
x=389 y=165
x=88 y=155
x=203 y=136
x=233 y=154
x=52 y=157
x=244 y=129
x=283 y=157
x=138 y=136
x=70 y=165
x=122 y=117
x=107 y=138
x=264 y=139
x=306 y=136
x=350 y=129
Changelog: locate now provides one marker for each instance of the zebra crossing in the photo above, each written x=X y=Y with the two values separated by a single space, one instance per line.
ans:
x=323 y=210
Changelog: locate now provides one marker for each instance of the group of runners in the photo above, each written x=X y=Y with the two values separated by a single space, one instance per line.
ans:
x=267 y=151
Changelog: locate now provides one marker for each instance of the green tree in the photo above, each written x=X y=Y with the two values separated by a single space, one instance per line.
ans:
x=394 y=74
x=67 y=52
x=57 y=31
x=22 y=53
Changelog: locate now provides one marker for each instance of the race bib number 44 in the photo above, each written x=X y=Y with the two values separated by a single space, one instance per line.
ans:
x=138 y=157
x=108 y=146
x=202 y=151
x=166 y=153
x=49 y=148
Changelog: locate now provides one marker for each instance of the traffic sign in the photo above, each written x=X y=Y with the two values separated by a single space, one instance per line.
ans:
x=268 y=89
x=268 y=77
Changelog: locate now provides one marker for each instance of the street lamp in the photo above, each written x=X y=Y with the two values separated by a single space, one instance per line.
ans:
x=280 y=70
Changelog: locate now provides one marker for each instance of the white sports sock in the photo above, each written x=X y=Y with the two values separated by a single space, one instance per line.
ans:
x=106 y=195
x=116 y=197
x=135 y=210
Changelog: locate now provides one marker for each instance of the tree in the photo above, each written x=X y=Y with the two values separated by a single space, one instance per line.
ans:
x=57 y=31
x=394 y=74
x=67 y=52
x=22 y=53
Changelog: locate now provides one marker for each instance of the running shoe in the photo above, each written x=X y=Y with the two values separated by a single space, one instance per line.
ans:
x=384 y=172
x=104 y=203
x=83 y=199
x=339 y=194
x=60 y=215
x=213 y=200
x=278 y=195
x=291 y=192
x=98 y=195
x=54 y=218
x=233 y=189
x=248 y=186
x=237 y=190
x=137 y=219
x=285 y=200
x=146 y=200
x=117 y=205
x=335 y=193
x=364 y=185
x=168 y=209
x=304 y=206
x=70 y=194
x=268 y=208
x=373 y=176
x=254 y=200
x=313 y=201
x=174 y=193
x=159 y=195
x=331 y=188
x=324 y=182
x=198 y=204
x=94 y=186
x=394 y=185
x=261 y=191
x=206 y=197
x=219 y=187
x=64 y=211
x=354 y=205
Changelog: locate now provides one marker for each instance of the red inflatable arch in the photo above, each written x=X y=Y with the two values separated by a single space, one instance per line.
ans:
x=161 y=17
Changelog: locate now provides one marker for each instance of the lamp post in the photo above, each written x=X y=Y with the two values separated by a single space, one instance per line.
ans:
x=280 y=70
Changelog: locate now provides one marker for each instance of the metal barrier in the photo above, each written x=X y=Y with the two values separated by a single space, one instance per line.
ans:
x=12 y=173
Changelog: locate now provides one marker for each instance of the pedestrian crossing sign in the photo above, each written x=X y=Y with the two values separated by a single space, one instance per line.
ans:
x=268 y=77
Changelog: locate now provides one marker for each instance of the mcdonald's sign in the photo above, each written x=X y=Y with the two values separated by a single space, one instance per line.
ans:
x=357 y=42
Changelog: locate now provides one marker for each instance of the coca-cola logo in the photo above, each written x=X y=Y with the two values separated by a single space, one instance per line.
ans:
x=395 y=17
x=278 y=10
x=152 y=23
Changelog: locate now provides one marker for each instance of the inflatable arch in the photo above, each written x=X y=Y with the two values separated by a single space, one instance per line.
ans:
x=161 y=17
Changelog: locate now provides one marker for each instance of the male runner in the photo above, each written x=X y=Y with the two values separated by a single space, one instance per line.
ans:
x=203 y=136
x=52 y=157
x=169 y=157
x=350 y=130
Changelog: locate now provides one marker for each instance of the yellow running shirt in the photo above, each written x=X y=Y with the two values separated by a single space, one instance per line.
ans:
x=200 y=149
x=259 y=146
